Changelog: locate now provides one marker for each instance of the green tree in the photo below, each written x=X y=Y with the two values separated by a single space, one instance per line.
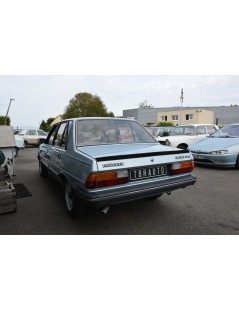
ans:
x=111 y=114
x=2 y=120
x=86 y=105
x=145 y=105
x=45 y=125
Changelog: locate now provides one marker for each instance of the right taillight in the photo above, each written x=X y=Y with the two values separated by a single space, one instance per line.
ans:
x=183 y=167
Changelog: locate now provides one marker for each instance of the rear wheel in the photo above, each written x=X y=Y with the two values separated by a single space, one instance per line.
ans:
x=43 y=171
x=237 y=163
x=73 y=205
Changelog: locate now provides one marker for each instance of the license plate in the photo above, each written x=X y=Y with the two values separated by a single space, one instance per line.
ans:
x=198 y=156
x=147 y=172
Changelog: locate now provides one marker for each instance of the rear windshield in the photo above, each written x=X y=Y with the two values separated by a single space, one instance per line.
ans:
x=110 y=131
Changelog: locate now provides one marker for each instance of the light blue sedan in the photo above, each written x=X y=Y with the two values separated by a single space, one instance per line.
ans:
x=107 y=161
x=221 y=149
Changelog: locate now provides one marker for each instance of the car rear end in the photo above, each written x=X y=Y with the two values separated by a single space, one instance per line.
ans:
x=121 y=178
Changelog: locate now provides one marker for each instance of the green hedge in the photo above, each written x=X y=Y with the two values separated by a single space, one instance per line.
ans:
x=2 y=120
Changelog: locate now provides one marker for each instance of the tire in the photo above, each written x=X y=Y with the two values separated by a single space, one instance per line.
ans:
x=43 y=171
x=16 y=152
x=73 y=206
x=182 y=146
x=25 y=143
x=237 y=163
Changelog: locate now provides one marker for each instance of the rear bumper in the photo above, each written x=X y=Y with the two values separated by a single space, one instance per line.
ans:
x=130 y=195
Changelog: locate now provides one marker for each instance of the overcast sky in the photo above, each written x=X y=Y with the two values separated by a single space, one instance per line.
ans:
x=38 y=97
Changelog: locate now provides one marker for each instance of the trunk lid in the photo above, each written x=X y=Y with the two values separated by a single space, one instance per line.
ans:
x=123 y=156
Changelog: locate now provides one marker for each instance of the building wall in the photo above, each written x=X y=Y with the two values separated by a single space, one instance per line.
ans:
x=190 y=116
x=205 y=116
x=56 y=120
x=224 y=115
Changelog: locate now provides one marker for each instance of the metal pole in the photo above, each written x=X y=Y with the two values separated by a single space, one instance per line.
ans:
x=8 y=110
x=181 y=99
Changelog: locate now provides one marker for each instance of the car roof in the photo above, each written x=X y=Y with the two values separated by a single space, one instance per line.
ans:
x=196 y=125
x=93 y=118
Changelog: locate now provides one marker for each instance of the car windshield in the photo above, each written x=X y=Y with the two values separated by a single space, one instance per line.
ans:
x=183 y=130
x=231 y=131
x=110 y=131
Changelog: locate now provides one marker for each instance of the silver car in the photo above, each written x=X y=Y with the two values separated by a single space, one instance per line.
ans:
x=107 y=161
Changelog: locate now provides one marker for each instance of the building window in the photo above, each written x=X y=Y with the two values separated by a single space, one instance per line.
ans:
x=174 y=117
x=164 y=118
x=189 y=117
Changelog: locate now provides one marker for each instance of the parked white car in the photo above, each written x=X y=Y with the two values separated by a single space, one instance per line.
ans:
x=184 y=135
x=32 y=136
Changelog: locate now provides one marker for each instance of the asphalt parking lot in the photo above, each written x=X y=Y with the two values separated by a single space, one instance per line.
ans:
x=210 y=207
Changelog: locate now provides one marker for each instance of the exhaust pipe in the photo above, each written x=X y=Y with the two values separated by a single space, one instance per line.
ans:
x=105 y=210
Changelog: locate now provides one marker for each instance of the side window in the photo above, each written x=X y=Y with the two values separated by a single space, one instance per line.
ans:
x=41 y=133
x=178 y=131
x=31 y=132
x=189 y=130
x=51 y=137
x=201 y=130
x=211 y=129
x=60 y=139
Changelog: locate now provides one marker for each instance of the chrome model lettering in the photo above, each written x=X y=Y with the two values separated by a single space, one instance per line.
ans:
x=113 y=165
x=182 y=156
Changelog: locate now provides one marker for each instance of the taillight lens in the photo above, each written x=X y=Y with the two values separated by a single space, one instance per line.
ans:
x=106 y=179
x=178 y=168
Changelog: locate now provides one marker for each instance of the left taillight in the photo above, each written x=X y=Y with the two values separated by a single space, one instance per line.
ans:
x=106 y=179
x=183 y=167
